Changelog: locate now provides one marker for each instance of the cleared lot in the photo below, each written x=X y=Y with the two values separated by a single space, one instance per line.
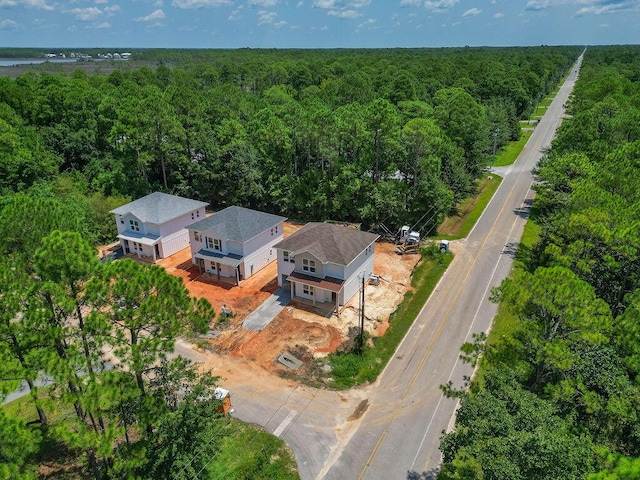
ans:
x=300 y=328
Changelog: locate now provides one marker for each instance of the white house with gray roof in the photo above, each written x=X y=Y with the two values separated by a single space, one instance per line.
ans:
x=154 y=226
x=323 y=262
x=235 y=242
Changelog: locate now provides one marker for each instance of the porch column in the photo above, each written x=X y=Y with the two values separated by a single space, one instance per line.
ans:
x=292 y=290
x=153 y=250
x=314 y=296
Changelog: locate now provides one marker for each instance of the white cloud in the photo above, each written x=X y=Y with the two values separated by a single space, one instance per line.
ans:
x=342 y=9
x=441 y=5
x=200 y=3
x=606 y=8
x=595 y=7
x=103 y=25
x=369 y=24
x=37 y=4
x=7 y=24
x=155 y=15
x=269 y=18
x=235 y=14
x=498 y=15
x=344 y=13
x=300 y=4
x=410 y=3
x=325 y=3
x=538 y=4
x=98 y=2
x=472 y=12
x=112 y=10
x=86 y=14
x=263 y=3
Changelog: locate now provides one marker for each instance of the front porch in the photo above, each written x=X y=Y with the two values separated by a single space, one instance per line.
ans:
x=317 y=290
x=220 y=265
x=140 y=245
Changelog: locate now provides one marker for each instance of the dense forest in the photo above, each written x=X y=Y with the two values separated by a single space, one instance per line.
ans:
x=356 y=135
x=368 y=136
x=559 y=394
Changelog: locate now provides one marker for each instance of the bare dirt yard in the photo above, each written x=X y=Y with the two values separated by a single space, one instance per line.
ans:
x=301 y=329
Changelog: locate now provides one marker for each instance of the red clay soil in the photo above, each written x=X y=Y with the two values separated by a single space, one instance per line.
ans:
x=280 y=335
x=241 y=299
x=299 y=325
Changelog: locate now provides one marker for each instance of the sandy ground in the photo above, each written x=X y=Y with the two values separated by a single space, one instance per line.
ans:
x=303 y=329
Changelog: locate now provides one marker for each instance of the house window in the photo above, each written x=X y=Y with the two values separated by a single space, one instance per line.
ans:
x=193 y=215
x=134 y=225
x=213 y=265
x=198 y=214
x=122 y=220
x=197 y=237
x=272 y=232
x=214 y=243
x=285 y=256
x=308 y=265
x=307 y=289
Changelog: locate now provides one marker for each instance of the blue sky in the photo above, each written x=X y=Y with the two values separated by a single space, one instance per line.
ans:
x=316 y=23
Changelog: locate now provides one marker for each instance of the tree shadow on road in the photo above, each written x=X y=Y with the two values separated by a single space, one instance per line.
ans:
x=430 y=474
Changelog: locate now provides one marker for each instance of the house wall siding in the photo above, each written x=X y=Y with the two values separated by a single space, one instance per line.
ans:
x=259 y=251
x=284 y=268
x=319 y=266
x=334 y=270
x=354 y=281
x=174 y=243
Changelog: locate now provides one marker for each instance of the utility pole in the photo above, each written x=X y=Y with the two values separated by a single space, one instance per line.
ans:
x=360 y=340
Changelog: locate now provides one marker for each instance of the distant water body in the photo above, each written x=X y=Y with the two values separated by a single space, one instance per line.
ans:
x=33 y=61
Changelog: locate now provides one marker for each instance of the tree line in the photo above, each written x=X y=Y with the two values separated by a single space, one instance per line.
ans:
x=559 y=395
x=357 y=135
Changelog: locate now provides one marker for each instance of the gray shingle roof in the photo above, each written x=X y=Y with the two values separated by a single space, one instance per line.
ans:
x=237 y=224
x=327 y=242
x=159 y=207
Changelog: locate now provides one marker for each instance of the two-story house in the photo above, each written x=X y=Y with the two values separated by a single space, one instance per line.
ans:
x=235 y=242
x=324 y=262
x=154 y=226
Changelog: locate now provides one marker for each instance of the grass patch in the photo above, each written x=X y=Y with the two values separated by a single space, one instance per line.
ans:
x=248 y=452
x=349 y=369
x=251 y=452
x=510 y=152
x=469 y=210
